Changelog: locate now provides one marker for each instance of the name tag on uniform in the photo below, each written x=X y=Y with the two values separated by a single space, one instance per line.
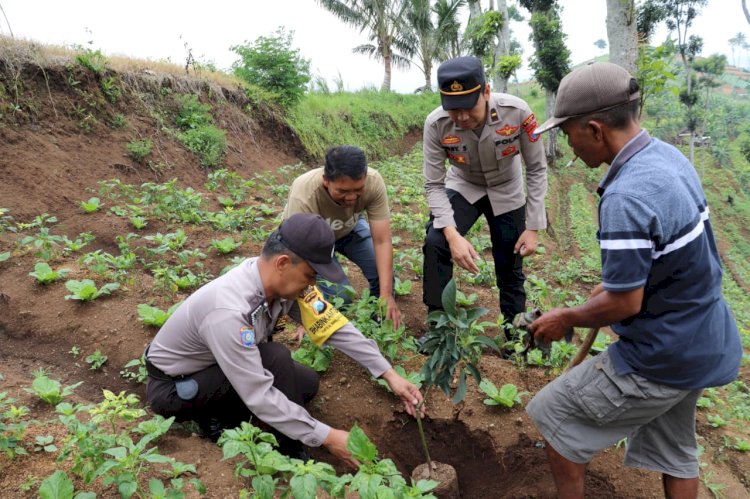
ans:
x=263 y=307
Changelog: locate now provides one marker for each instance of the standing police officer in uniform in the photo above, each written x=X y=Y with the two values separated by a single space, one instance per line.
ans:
x=483 y=136
x=214 y=360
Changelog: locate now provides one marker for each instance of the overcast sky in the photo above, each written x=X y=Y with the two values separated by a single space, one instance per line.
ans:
x=159 y=30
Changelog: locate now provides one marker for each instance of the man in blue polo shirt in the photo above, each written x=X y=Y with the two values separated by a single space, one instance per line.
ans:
x=660 y=293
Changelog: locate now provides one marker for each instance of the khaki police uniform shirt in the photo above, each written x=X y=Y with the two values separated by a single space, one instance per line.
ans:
x=213 y=327
x=488 y=165
x=309 y=195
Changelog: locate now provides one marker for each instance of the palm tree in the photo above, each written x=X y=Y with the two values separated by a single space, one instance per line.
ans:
x=733 y=44
x=737 y=41
x=6 y=21
x=434 y=41
x=449 y=26
x=741 y=41
x=384 y=22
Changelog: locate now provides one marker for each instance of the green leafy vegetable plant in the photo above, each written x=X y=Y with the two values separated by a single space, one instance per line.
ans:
x=138 y=222
x=154 y=316
x=47 y=245
x=45 y=275
x=226 y=245
x=78 y=243
x=740 y=444
x=124 y=463
x=45 y=443
x=393 y=343
x=312 y=356
x=260 y=461
x=86 y=290
x=402 y=288
x=6 y=221
x=59 y=486
x=50 y=390
x=12 y=427
x=96 y=360
x=92 y=205
x=139 y=374
x=257 y=448
x=716 y=421
x=507 y=396
x=376 y=477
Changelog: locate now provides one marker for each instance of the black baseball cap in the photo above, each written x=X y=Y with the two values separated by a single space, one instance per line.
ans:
x=310 y=237
x=460 y=81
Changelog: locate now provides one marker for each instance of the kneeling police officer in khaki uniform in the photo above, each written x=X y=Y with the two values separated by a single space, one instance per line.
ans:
x=214 y=360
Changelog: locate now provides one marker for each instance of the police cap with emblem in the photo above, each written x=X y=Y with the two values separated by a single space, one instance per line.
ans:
x=596 y=87
x=461 y=81
x=310 y=237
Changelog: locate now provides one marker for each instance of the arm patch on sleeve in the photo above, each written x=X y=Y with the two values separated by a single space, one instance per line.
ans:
x=319 y=318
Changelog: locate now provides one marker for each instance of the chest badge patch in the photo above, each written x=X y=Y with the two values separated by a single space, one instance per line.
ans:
x=450 y=140
x=529 y=125
x=507 y=130
x=247 y=336
x=458 y=158
x=509 y=150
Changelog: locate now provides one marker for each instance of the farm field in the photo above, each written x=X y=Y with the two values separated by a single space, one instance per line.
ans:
x=110 y=189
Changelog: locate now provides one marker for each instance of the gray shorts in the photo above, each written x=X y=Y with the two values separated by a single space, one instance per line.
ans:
x=592 y=408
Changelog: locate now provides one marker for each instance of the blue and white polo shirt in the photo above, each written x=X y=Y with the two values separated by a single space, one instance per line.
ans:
x=655 y=233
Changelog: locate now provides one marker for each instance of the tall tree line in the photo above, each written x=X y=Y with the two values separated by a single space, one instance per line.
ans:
x=551 y=62
x=426 y=32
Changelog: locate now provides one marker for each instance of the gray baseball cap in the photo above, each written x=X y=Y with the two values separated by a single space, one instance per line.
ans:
x=596 y=87
x=310 y=237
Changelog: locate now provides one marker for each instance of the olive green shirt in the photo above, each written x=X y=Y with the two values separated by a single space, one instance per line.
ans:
x=309 y=195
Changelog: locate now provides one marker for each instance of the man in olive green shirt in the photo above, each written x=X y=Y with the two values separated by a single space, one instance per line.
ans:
x=342 y=192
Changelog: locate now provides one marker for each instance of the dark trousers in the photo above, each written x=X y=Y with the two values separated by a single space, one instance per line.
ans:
x=504 y=232
x=217 y=400
x=358 y=247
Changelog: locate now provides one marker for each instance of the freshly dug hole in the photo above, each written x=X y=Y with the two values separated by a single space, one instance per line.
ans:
x=516 y=471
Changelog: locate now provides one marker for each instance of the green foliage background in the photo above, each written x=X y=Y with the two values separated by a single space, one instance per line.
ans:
x=269 y=64
x=374 y=121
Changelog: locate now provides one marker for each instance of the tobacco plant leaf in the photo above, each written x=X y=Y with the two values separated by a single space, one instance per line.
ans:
x=57 y=486
x=360 y=446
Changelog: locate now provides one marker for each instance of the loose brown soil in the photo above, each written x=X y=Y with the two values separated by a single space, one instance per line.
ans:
x=48 y=164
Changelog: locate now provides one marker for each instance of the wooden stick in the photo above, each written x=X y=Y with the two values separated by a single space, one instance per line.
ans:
x=583 y=351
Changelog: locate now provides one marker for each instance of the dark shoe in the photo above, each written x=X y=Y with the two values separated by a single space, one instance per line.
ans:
x=292 y=448
x=507 y=353
x=302 y=455
x=211 y=429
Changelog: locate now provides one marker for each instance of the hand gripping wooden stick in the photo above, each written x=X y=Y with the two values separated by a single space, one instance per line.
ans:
x=583 y=351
